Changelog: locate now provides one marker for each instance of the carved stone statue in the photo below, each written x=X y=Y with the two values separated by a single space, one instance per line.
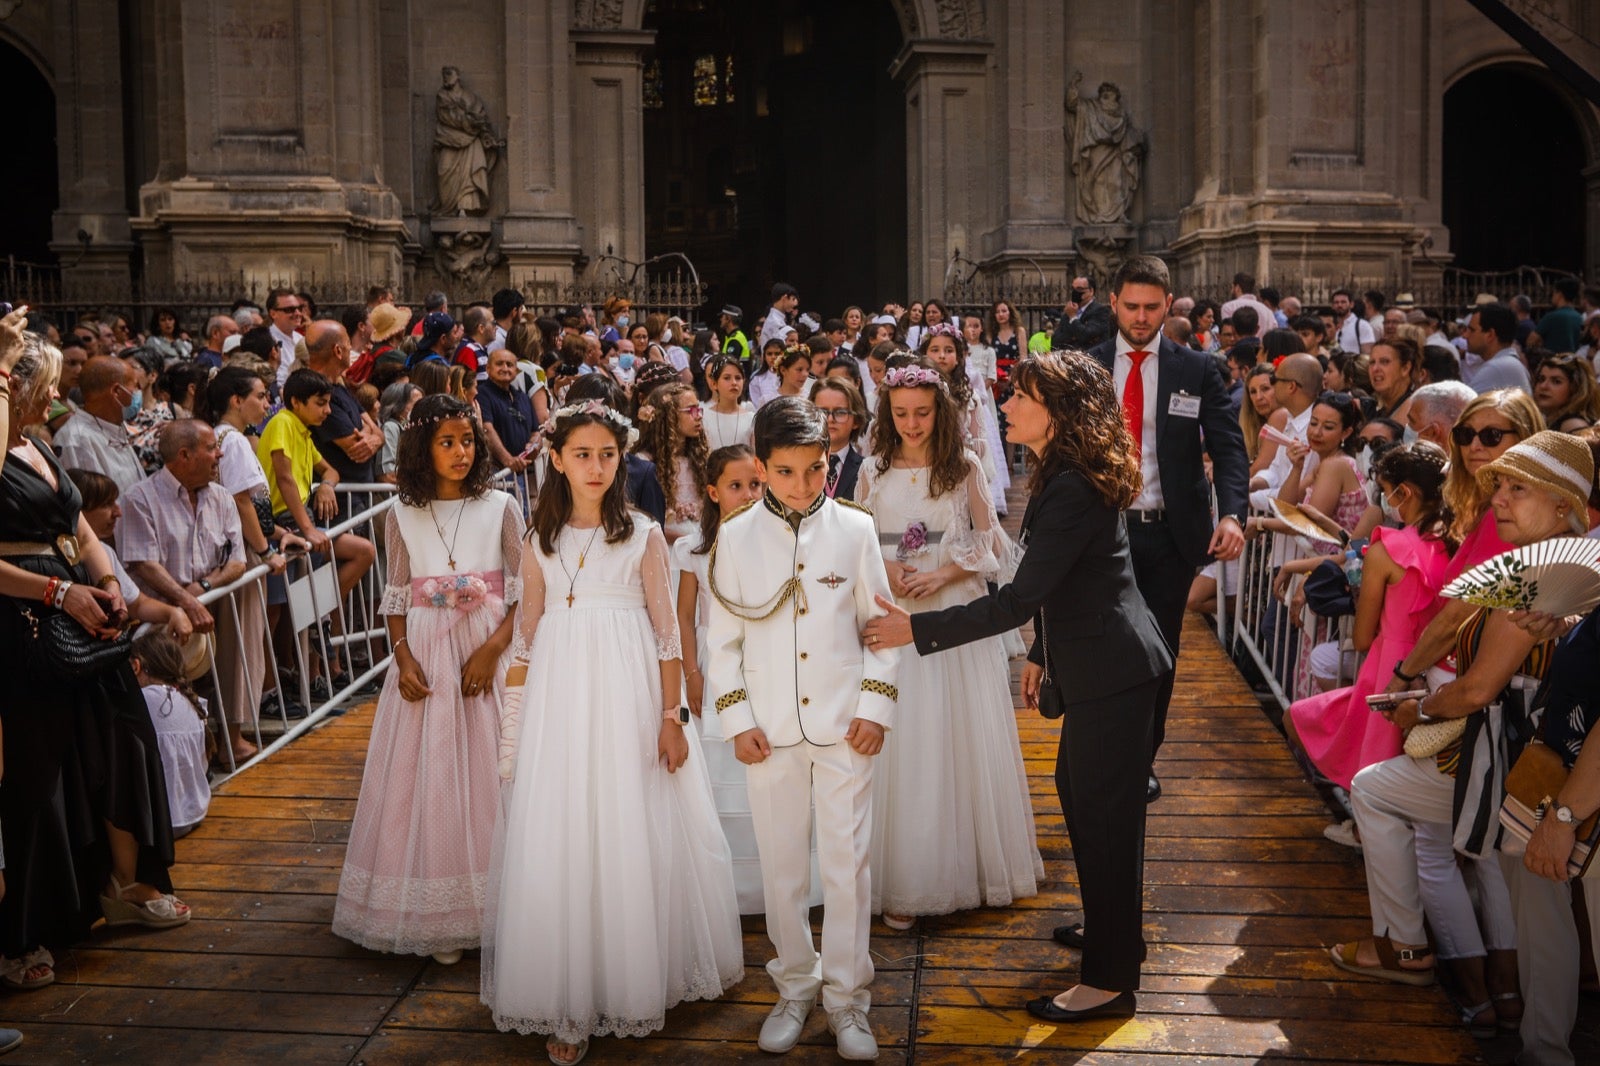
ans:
x=467 y=257
x=1107 y=153
x=465 y=148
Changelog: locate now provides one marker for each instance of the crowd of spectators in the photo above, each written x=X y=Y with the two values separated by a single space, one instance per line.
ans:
x=183 y=457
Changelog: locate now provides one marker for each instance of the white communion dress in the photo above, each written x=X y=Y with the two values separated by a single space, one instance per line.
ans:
x=611 y=891
x=951 y=814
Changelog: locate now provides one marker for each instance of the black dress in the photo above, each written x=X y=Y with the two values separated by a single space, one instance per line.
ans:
x=76 y=754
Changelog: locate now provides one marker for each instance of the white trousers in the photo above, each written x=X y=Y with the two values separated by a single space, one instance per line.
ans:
x=1547 y=959
x=1404 y=809
x=783 y=790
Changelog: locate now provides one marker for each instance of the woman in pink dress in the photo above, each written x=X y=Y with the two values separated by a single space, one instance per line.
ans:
x=1401 y=577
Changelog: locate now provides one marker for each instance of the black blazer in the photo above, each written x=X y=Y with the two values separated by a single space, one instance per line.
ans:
x=849 y=471
x=1179 y=443
x=1103 y=639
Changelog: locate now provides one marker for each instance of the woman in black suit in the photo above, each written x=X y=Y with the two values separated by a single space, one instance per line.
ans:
x=1076 y=583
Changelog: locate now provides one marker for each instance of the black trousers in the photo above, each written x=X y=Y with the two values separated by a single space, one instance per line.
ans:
x=1101 y=769
x=1164 y=577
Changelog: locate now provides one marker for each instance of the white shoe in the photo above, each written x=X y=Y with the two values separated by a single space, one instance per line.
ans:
x=854 y=1034
x=447 y=958
x=1343 y=833
x=781 y=1031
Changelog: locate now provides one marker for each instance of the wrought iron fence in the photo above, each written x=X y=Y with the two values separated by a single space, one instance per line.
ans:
x=671 y=293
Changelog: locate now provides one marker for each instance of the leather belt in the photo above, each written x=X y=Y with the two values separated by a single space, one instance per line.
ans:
x=1159 y=514
x=65 y=546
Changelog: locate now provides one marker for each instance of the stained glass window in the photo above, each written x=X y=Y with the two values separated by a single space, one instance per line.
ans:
x=727 y=79
x=705 y=81
x=653 y=97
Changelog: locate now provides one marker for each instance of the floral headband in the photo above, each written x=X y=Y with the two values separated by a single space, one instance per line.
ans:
x=915 y=377
x=943 y=329
x=595 y=409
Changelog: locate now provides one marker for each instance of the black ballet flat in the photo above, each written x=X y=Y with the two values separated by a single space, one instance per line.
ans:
x=1045 y=1009
x=1069 y=936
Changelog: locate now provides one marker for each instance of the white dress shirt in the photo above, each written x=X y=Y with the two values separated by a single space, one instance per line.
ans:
x=285 y=343
x=1150 y=498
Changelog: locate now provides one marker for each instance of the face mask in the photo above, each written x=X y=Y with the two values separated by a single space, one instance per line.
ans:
x=1391 y=513
x=625 y=360
x=666 y=336
x=130 y=411
x=622 y=321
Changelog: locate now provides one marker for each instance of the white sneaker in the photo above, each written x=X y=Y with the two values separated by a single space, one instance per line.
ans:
x=854 y=1034
x=781 y=1031
x=1343 y=833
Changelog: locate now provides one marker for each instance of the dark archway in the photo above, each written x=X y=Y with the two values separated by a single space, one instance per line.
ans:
x=33 y=190
x=775 y=148
x=1513 y=172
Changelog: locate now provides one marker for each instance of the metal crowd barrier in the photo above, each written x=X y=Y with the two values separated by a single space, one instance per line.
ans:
x=1262 y=629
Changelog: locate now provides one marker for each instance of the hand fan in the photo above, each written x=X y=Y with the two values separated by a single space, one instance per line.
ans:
x=1278 y=436
x=1560 y=576
x=1301 y=522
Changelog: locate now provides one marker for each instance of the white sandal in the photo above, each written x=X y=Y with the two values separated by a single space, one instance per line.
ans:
x=163 y=912
x=582 y=1046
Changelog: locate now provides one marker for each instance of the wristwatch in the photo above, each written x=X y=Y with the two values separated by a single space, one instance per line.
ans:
x=681 y=715
x=205 y=586
x=1564 y=815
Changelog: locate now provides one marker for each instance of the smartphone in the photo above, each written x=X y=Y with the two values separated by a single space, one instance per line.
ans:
x=1388 y=701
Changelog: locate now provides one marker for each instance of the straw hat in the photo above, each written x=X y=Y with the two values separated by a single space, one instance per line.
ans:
x=1558 y=463
x=387 y=320
x=1405 y=301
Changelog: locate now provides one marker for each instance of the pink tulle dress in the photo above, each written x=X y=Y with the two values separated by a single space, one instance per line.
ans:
x=1340 y=733
x=417 y=864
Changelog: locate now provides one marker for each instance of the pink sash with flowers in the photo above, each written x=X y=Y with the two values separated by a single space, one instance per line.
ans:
x=458 y=592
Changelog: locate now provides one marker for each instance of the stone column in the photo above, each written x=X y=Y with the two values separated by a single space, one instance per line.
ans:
x=947 y=173
x=540 y=232
x=1023 y=143
x=608 y=140
x=90 y=148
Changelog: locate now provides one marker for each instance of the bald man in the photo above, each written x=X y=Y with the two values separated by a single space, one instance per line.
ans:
x=349 y=438
x=1296 y=383
x=96 y=438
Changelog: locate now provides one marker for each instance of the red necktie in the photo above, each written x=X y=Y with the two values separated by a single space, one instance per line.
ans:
x=1133 y=401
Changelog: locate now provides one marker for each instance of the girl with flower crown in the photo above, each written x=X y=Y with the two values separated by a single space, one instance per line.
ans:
x=945 y=349
x=417 y=864
x=611 y=895
x=952 y=819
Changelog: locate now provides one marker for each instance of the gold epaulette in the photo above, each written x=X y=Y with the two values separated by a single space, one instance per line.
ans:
x=863 y=508
x=742 y=509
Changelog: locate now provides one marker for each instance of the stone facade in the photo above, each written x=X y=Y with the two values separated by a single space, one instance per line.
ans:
x=294 y=138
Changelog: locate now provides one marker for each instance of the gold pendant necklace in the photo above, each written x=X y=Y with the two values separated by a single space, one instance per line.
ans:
x=572 y=575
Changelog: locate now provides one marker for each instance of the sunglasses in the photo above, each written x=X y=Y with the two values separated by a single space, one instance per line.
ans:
x=288 y=309
x=1488 y=435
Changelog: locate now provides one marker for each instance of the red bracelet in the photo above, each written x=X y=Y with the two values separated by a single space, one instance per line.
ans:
x=4 y=373
x=50 y=590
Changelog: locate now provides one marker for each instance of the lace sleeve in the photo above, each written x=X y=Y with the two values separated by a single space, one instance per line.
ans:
x=530 y=606
x=511 y=530
x=976 y=547
x=866 y=480
x=397 y=586
x=657 y=573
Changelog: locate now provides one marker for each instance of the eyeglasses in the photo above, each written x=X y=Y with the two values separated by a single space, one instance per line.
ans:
x=288 y=309
x=1488 y=435
x=694 y=410
x=836 y=414
x=1276 y=380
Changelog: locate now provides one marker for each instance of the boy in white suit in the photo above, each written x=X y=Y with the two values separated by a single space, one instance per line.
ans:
x=793 y=577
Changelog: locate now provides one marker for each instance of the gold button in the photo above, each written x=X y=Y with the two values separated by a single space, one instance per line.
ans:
x=800 y=566
x=802 y=611
x=802 y=655
x=805 y=701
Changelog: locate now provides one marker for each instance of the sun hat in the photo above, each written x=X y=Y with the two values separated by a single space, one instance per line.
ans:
x=387 y=320
x=1558 y=463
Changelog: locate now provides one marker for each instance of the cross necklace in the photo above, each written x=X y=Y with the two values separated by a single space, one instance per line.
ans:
x=572 y=575
x=449 y=545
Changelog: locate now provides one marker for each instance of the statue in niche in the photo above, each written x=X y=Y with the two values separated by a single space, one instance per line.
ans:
x=465 y=148
x=467 y=257
x=1107 y=153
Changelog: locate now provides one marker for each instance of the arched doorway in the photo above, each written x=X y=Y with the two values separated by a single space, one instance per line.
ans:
x=1513 y=172
x=33 y=191
x=775 y=148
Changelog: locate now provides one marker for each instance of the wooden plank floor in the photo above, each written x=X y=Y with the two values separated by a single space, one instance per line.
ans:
x=1243 y=893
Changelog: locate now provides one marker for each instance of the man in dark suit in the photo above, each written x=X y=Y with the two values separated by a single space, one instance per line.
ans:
x=1182 y=409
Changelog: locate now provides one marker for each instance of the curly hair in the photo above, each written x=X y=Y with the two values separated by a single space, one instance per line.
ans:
x=947 y=455
x=1090 y=435
x=415 y=480
x=1468 y=500
x=960 y=385
x=553 y=508
x=661 y=437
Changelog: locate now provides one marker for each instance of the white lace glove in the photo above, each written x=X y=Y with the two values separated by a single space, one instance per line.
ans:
x=510 y=730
